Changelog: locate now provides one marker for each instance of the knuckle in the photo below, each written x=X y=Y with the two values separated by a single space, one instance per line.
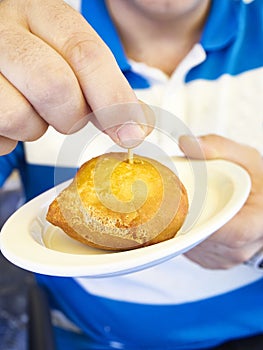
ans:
x=11 y=122
x=57 y=98
x=84 y=51
x=237 y=244
x=233 y=244
x=49 y=87
x=238 y=239
x=21 y=123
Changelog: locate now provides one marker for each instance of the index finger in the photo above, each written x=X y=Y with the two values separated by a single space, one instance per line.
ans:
x=93 y=63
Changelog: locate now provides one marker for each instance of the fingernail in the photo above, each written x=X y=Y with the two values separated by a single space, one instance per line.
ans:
x=130 y=134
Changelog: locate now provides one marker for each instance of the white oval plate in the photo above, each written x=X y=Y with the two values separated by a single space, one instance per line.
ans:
x=30 y=242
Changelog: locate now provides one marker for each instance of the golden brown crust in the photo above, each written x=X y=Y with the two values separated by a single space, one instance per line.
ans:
x=114 y=205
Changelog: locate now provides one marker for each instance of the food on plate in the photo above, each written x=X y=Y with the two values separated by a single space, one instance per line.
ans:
x=116 y=204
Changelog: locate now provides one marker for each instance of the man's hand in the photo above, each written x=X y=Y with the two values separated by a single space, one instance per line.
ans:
x=55 y=70
x=241 y=237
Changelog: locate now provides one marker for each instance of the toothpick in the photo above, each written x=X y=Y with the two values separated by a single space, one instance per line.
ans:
x=130 y=156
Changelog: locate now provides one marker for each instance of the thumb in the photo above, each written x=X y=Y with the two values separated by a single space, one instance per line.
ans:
x=218 y=147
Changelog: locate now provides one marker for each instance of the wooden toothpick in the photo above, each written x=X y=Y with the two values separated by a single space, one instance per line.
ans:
x=130 y=155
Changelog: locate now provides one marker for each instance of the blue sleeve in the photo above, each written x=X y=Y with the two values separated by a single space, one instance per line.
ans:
x=11 y=161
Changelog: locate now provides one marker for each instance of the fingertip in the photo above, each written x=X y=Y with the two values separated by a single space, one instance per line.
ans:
x=6 y=145
x=76 y=126
x=191 y=146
